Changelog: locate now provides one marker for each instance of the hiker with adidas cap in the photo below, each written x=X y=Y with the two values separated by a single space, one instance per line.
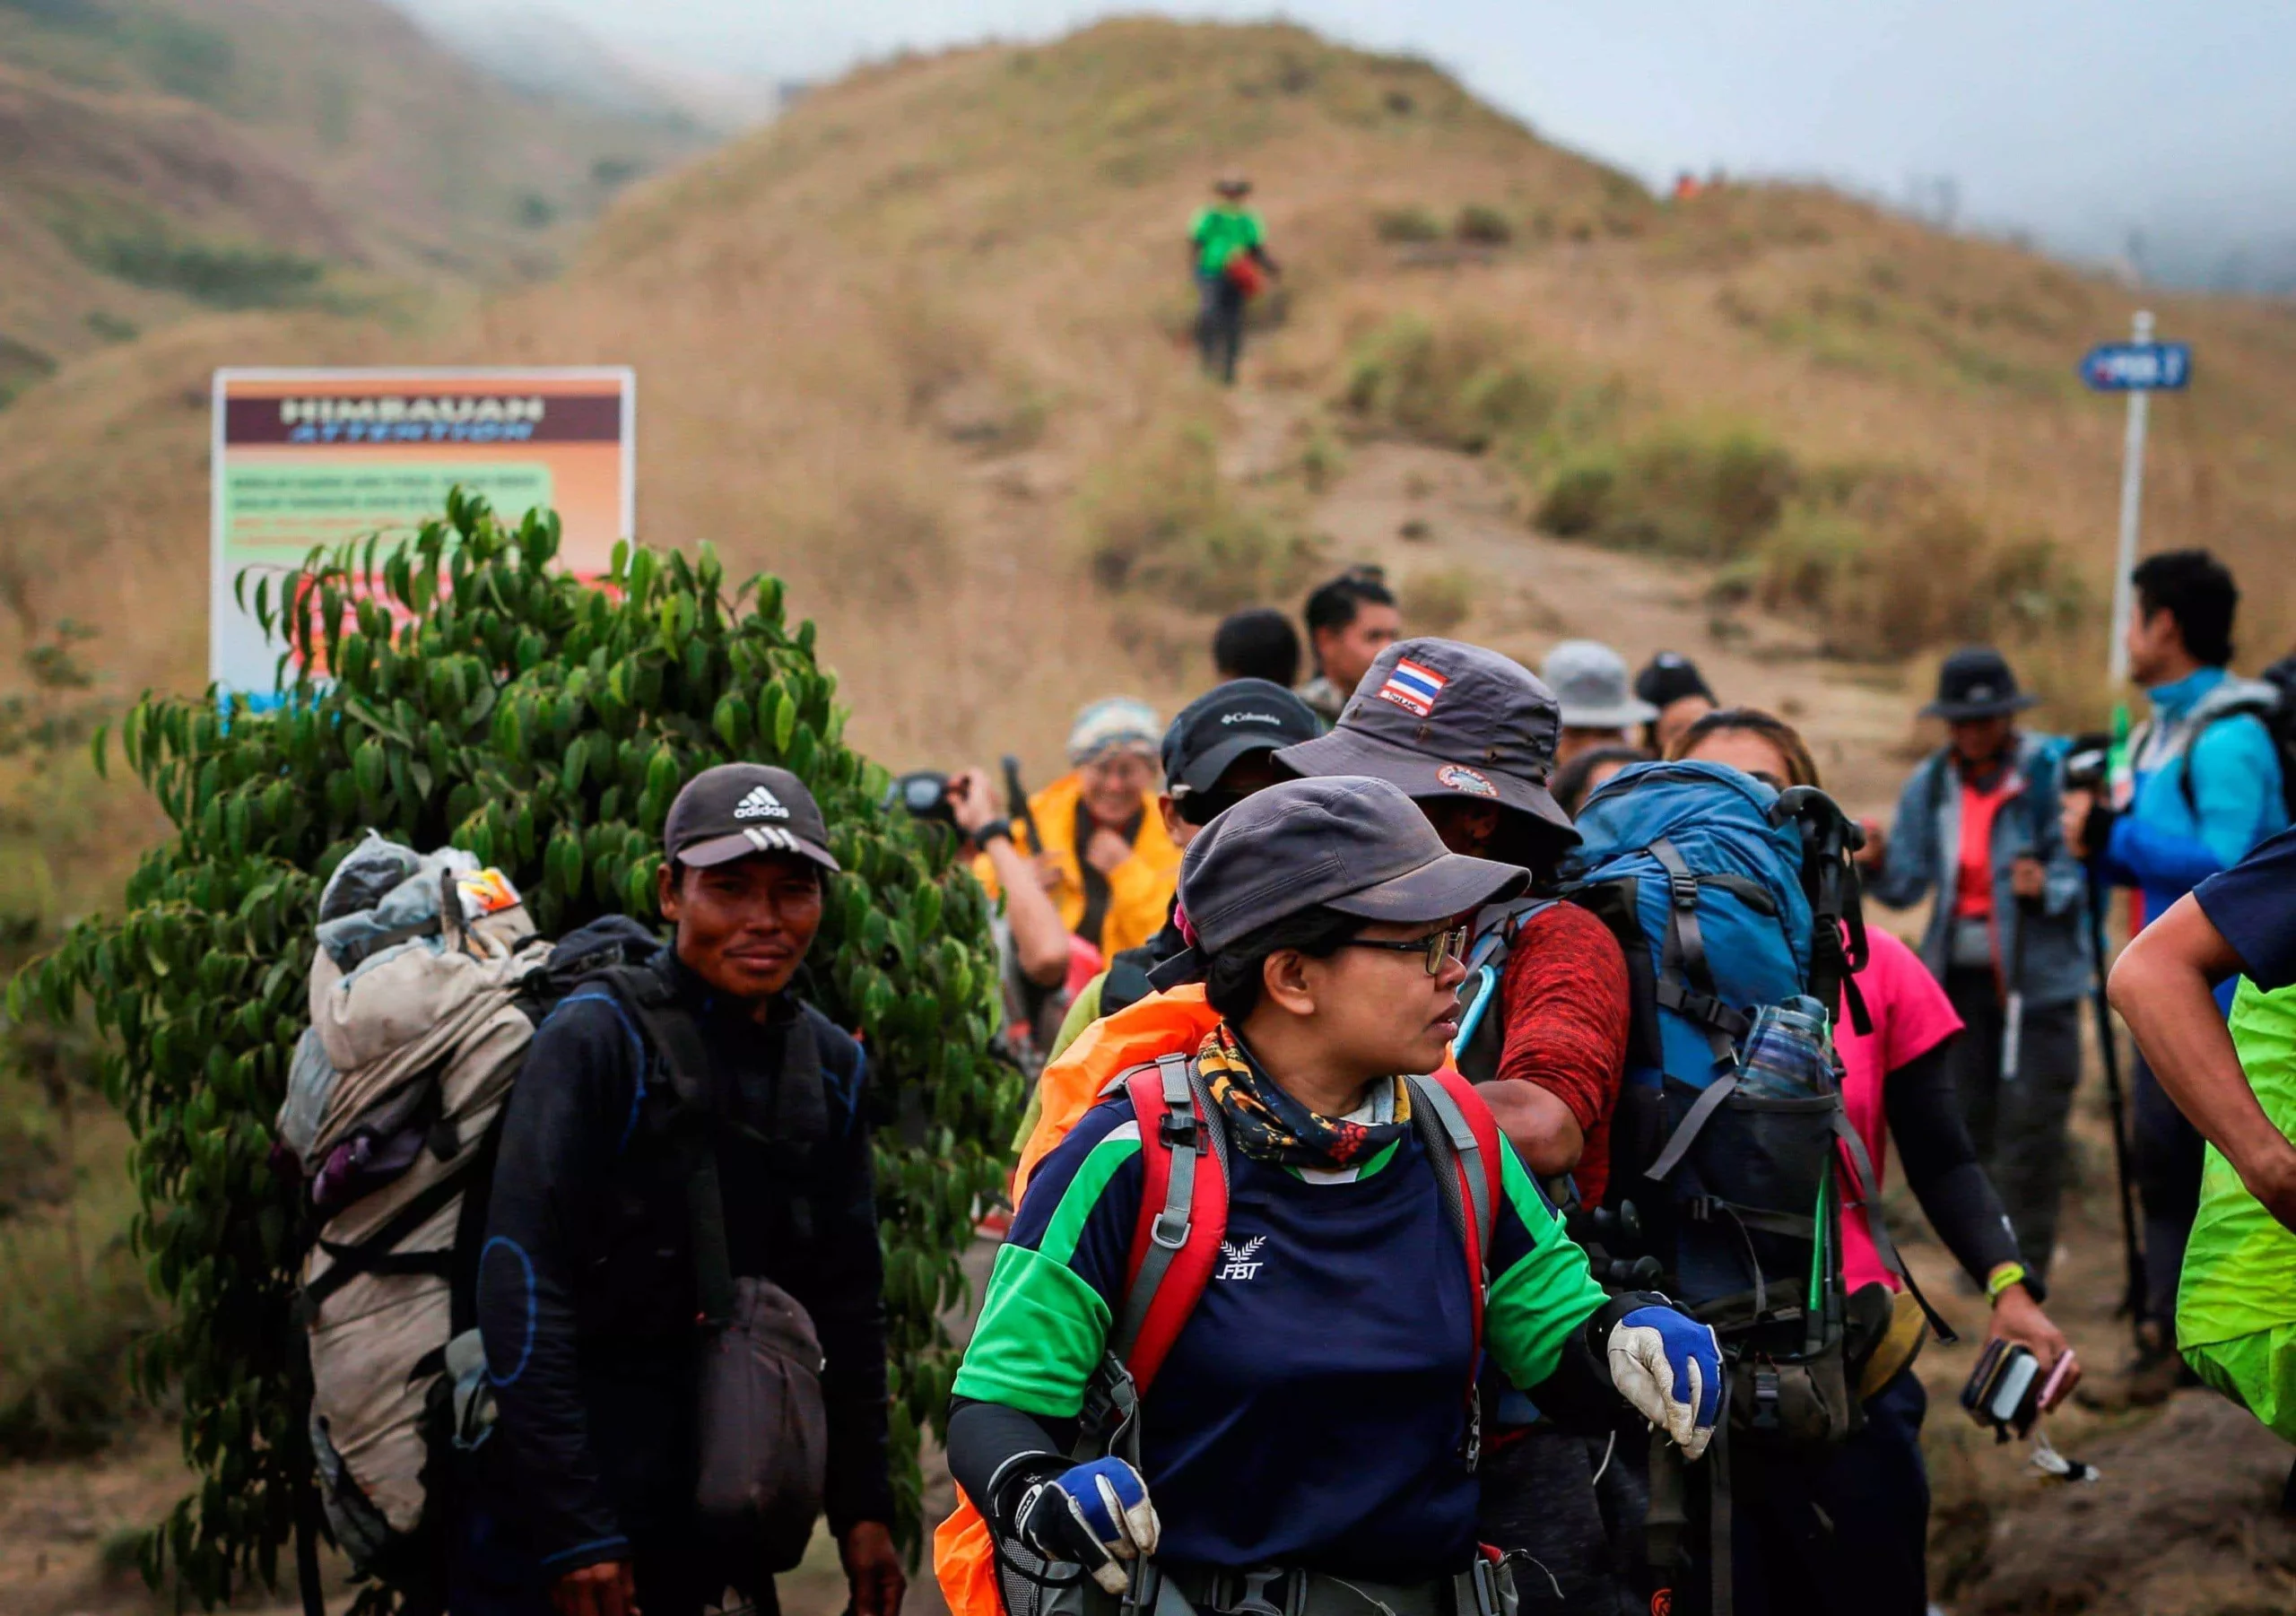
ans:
x=1589 y=682
x=682 y=1245
x=1470 y=736
x=1977 y=826
x=1828 y=1503
x=1227 y=1357
x=1106 y=858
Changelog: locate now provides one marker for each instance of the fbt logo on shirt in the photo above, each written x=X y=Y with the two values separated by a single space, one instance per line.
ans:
x=1239 y=1264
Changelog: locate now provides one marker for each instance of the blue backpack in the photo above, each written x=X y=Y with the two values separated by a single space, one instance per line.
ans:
x=1726 y=896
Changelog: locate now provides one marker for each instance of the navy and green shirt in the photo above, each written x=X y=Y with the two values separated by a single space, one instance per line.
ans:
x=1313 y=1411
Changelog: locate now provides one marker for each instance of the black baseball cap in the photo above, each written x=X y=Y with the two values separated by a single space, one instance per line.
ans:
x=1439 y=718
x=1232 y=721
x=1669 y=677
x=1976 y=682
x=741 y=810
x=1347 y=842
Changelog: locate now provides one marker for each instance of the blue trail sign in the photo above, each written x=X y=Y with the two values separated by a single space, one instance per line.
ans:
x=2138 y=367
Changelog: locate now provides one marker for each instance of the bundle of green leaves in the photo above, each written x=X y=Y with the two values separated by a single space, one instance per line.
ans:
x=459 y=687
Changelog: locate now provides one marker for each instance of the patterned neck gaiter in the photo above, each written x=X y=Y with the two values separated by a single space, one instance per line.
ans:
x=1268 y=1125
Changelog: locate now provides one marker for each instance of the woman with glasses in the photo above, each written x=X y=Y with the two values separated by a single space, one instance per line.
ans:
x=1847 y=1532
x=1309 y=1439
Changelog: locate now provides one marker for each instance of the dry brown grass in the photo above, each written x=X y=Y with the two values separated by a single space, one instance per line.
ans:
x=898 y=345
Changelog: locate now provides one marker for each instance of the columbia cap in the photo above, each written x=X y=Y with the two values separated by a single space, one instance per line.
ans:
x=1589 y=680
x=741 y=809
x=1232 y=721
x=1441 y=718
x=1976 y=682
x=1347 y=842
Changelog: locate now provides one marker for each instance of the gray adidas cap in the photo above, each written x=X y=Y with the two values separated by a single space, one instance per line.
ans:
x=1438 y=718
x=741 y=810
x=1590 y=681
x=1347 y=842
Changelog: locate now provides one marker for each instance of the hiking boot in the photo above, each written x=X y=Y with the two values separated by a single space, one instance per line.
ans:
x=2153 y=1371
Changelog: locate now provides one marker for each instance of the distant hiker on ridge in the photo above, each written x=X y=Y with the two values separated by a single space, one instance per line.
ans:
x=1228 y=255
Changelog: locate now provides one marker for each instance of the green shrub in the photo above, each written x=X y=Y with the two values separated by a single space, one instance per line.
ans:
x=1479 y=225
x=221 y=274
x=1439 y=600
x=1161 y=520
x=481 y=695
x=1453 y=385
x=1675 y=492
x=65 y=1346
x=1408 y=225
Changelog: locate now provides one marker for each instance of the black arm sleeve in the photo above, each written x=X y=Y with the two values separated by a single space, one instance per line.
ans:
x=1579 y=1396
x=846 y=1302
x=560 y=1138
x=985 y=1438
x=1941 y=1165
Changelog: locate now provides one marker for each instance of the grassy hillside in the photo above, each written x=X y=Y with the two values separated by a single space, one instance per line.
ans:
x=921 y=345
x=162 y=157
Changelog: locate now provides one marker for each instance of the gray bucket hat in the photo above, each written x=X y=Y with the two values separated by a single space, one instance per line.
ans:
x=1347 y=842
x=1439 y=718
x=1590 y=681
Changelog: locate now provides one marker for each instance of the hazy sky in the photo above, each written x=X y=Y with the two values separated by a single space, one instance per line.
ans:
x=2079 y=120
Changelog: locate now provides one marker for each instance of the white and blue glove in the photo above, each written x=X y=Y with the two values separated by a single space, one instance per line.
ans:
x=1096 y=1515
x=1669 y=1367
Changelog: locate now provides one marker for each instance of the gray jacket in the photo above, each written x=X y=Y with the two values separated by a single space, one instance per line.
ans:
x=1926 y=853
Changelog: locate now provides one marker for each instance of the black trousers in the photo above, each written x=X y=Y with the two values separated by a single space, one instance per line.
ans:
x=1220 y=326
x=1541 y=1497
x=2167 y=1152
x=1841 y=1534
x=2018 y=1127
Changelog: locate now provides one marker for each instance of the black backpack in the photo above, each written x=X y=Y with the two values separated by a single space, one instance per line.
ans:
x=2273 y=706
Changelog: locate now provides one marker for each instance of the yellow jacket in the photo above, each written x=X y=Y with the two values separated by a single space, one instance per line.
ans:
x=1140 y=889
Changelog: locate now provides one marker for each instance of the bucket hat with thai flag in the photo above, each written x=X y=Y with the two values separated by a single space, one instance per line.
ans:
x=1441 y=718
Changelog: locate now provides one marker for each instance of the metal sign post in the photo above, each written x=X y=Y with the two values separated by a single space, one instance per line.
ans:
x=2132 y=508
x=2139 y=368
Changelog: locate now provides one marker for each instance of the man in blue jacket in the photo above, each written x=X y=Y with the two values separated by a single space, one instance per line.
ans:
x=2203 y=787
x=1977 y=824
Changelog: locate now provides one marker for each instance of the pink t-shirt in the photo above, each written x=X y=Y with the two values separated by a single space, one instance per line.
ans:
x=1911 y=1016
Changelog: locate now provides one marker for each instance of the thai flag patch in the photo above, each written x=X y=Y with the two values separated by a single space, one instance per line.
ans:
x=1413 y=687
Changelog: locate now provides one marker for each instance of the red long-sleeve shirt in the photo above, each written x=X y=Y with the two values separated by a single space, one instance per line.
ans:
x=1562 y=1001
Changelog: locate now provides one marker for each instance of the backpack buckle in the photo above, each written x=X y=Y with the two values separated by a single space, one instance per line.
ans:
x=1178 y=1128
x=1765 y=1397
x=1684 y=887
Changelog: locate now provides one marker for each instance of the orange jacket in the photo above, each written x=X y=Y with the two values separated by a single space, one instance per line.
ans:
x=964 y=1558
x=1140 y=889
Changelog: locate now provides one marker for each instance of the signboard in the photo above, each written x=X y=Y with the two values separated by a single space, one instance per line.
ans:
x=305 y=458
x=2138 y=367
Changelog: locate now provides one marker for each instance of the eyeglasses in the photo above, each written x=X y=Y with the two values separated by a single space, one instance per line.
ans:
x=1438 y=948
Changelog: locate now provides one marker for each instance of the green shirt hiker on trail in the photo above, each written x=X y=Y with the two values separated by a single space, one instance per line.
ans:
x=1219 y=233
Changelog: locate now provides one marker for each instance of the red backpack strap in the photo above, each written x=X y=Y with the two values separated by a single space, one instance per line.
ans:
x=1464 y=1139
x=1183 y=1215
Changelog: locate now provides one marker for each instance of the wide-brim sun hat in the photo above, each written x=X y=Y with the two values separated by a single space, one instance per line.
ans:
x=1974 y=682
x=1440 y=718
x=1591 y=684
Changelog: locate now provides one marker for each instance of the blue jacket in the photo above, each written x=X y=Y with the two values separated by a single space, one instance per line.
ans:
x=1926 y=853
x=2159 y=845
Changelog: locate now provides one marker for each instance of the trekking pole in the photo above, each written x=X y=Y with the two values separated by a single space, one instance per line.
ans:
x=2013 y=1013
x=1016 y=804
x=2131 y=1253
